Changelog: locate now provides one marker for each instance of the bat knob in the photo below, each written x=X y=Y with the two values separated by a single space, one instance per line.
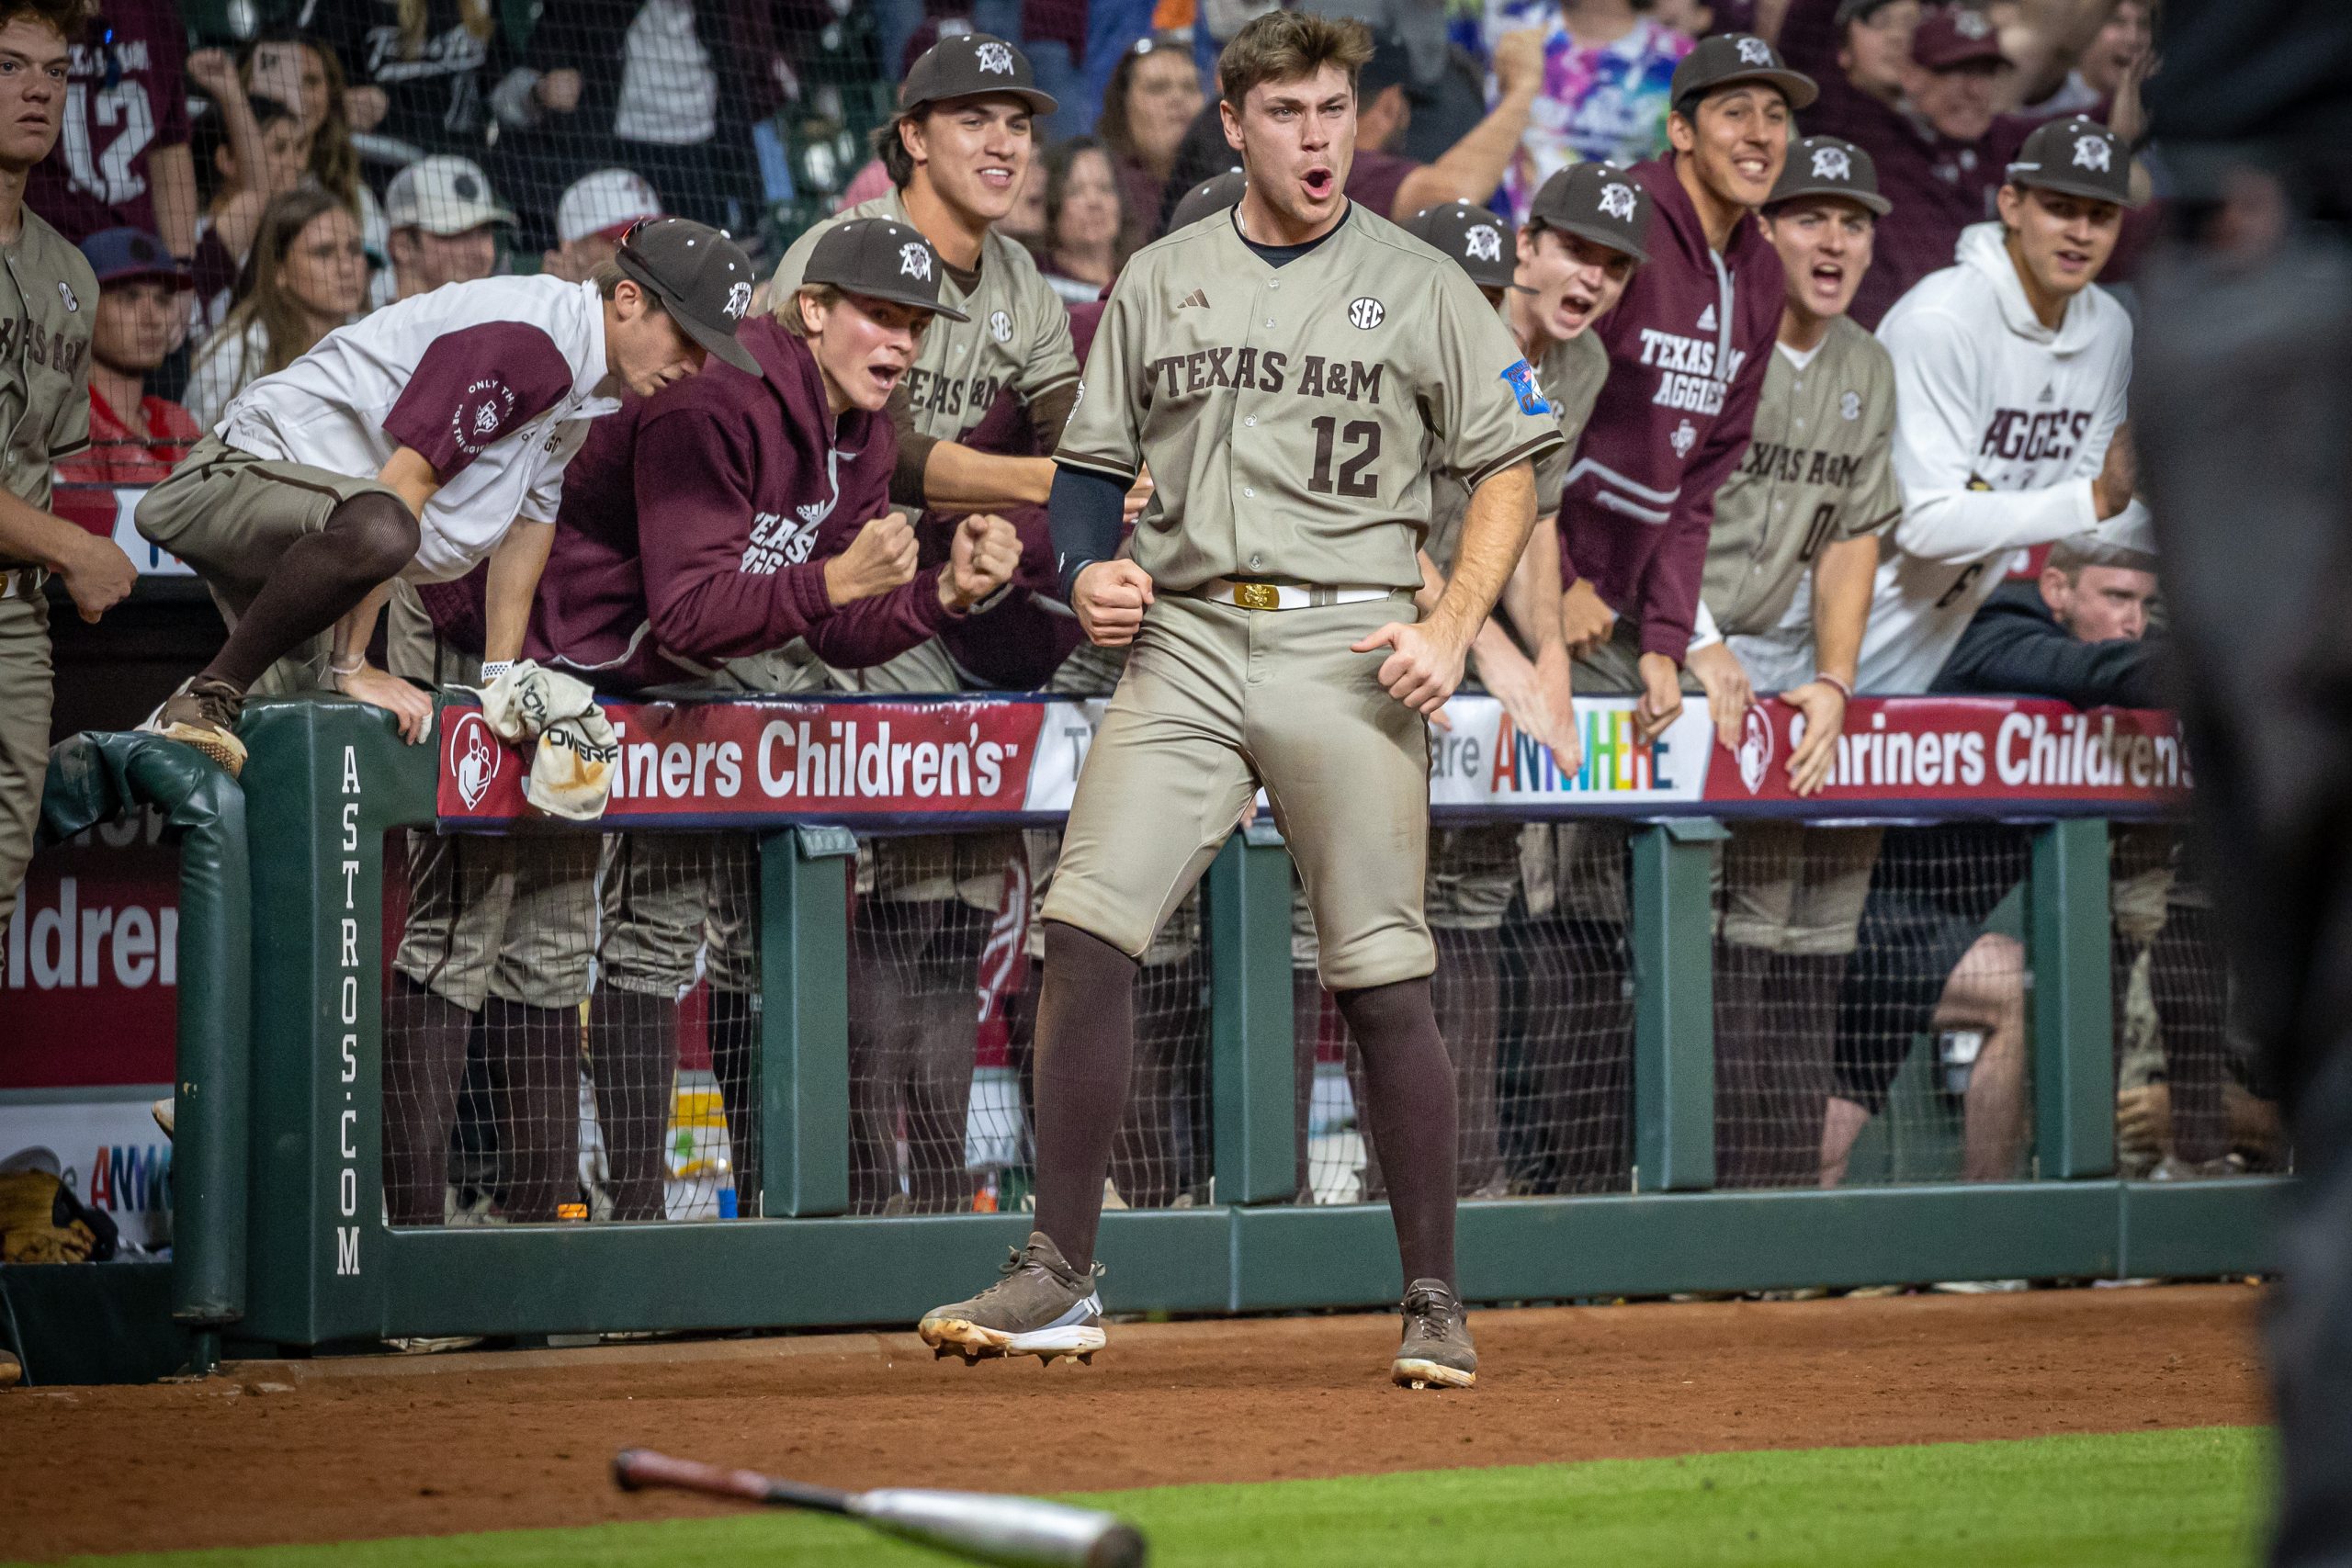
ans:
x=624 y=1468
x=1121 y=1546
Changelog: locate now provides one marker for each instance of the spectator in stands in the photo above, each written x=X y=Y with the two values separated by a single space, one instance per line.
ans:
x=1600 y=90
x=669 y=88
x=1090 y=231
x=249 y=149
x=300 y=70
x=419 y=71
x=2078 y=633
x=134 y=438
x=592 y=218
x=2107 y=67
x=307 y=276
x=126 y=161
x=445 y=220
x=1027 y=221
x=1154 y=97
x=1392 y=185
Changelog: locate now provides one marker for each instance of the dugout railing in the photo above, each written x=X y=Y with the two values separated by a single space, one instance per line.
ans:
x=328 y=781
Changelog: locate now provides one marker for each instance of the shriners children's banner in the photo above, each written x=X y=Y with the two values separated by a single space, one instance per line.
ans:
x=998 y=759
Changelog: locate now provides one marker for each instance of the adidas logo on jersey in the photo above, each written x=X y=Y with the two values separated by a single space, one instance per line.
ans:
x=2049 y=393
x=1706 y=320
x=1194 y=297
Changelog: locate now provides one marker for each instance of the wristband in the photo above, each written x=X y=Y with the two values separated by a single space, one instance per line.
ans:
x=1827 y=678
x=491 y=669
x=336 y=667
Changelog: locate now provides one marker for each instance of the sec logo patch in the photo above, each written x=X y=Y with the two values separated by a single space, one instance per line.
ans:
x=1366 y=312
x=999 y=326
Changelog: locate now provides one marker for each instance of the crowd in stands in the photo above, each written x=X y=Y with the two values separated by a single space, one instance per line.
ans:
x=240 y=198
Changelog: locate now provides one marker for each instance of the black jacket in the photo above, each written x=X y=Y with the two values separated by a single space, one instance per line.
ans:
x=2015 y=647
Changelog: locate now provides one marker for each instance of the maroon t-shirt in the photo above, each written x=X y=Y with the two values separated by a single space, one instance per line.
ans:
x=696 y=524
x=1374 y=179
x=126 y=95
x=473 y=387
x=1672 y=419
x=1938 y=187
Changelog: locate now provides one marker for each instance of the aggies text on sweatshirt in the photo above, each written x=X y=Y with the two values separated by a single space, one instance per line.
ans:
x=1687 y=346
x=696 y=525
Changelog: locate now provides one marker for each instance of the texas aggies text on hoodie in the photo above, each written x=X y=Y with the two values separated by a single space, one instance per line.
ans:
x=697 y=523
x=1687 y=346
x=2000 y=425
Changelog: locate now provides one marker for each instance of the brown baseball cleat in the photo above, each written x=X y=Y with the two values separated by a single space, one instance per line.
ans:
x=1437 y=1352
x=203 y=714
x=1041 y=1306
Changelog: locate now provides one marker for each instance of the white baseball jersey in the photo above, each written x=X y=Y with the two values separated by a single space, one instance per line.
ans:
x=492 y=382
x=2000 y=425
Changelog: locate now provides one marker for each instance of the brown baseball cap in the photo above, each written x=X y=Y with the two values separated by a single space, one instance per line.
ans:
x=967 y=66
x=1728 y=59
x=1486 y=246
x=1824 y=165
x=1955 y=35
x=1600 y=202
x=881 y=259
x=1218 y=193
x=2076 y=155
x=702 y=278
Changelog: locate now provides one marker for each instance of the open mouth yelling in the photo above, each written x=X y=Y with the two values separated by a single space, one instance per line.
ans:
x=886 y=377
x=1321 y=185
x=1577 y=306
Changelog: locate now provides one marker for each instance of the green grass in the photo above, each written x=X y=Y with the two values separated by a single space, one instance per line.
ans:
x=2141 y=1499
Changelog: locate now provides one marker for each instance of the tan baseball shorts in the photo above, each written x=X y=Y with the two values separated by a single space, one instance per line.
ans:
x=1217 y=700
x=231 y=515
x=26 y=684
x=1792 y=888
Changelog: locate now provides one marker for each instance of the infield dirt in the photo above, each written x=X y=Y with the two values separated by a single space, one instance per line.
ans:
x=325 y=1450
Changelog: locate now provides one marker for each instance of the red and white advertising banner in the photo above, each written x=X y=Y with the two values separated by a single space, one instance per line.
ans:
x=903 y=762
x=89 y=990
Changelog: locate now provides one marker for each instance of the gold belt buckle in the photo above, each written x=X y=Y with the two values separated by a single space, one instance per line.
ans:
x=1257 y=596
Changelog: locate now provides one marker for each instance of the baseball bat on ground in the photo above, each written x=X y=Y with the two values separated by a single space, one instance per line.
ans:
x=1018 y=1532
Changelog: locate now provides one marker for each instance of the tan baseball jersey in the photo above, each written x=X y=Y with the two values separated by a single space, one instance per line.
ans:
x=1285 y=411
x=1819 y=470
x=1570 y=374
x=49 y=297
x=1018 y=337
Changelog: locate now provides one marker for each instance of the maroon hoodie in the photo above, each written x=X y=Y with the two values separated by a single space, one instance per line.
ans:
x=696 y=525
x=1670 y=423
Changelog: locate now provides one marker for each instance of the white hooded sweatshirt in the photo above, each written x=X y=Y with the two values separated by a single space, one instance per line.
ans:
x=2000 y=425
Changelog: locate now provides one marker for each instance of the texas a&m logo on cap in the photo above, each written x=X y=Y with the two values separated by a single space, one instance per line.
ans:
x=1486 y=242
x=996 y=59
x=2093 y=152
x=1617 y=201
x=914 y=261
x=1832 y=164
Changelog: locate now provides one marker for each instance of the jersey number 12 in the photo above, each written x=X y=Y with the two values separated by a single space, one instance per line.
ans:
x=1364 y=435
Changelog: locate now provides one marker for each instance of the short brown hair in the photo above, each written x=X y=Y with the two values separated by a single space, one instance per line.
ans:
x=1290 y=46
x=71 y=17
x=788 y=314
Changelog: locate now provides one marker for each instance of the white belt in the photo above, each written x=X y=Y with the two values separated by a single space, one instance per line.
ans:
x=1261 y=596
x=22 y=583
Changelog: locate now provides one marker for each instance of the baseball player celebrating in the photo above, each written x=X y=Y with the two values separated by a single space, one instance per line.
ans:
x=1687 y=348
x=413 y=444
x=1786 y=593
x=1280 y=372
x=2011 y=369
x=48 y=298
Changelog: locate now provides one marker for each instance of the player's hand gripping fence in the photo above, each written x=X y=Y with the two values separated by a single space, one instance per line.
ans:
x=1022 y=1532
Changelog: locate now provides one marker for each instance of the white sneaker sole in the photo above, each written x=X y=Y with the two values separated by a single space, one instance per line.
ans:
x=1414 y=1372
x=955 y=1335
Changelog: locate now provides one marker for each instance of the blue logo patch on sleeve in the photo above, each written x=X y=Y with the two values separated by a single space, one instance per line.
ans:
x=1522 y=386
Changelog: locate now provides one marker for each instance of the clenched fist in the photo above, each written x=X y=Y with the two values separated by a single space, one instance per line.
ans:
x=1110 y=597
x=881 y=557
x=981 y=560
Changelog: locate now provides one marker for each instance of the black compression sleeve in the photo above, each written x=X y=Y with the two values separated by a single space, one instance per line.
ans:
x=1084 y=513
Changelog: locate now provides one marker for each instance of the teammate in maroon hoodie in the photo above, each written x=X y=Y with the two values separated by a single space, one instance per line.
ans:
x=708 y=534
x=1687 y=346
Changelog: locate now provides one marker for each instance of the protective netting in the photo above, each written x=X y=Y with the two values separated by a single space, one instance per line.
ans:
x=1931 y=1068
x=1533 y=997
x=572 y=1025
x=2191 y=1099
